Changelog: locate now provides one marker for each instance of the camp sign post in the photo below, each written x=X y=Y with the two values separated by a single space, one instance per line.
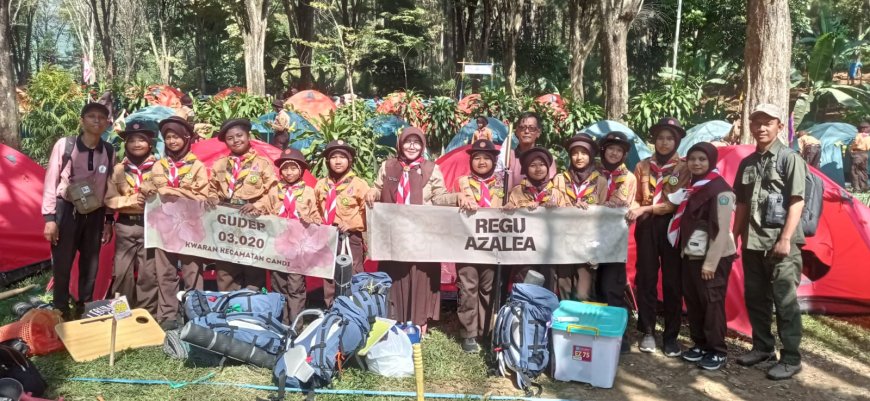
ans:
x=495 y=236
x=188 y=227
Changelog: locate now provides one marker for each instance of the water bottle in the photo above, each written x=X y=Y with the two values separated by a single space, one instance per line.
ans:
x=412 y=331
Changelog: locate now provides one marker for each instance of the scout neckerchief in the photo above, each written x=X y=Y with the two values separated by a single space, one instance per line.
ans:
x=332 y=196
x=288 y=196
x=583 y=190
x=237 y=170
x=615 y=178
x=403 y=192
x=136 y=174
x=674 y=226
x=540 y=195
x=657 y=177
x=483 y=196
x=176 y=169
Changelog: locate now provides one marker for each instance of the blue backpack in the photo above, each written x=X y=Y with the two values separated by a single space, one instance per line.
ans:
x=334 y=337
x=260 y=330
x=200 y=303
x=520 y=339
x=371 y=292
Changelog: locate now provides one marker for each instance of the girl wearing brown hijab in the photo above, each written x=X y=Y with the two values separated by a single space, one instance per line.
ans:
x=180 y=174
x=410 y=179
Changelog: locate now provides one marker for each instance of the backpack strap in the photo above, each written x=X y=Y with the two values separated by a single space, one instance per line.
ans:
x=69 y=145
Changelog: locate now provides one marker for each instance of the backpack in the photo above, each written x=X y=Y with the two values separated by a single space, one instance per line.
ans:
x=70 y=144
x=329 y=340
x=13 y=364
x=262 y=331
x=520 y=339
x=200 y=303
x=371 y=292
x=814 y=188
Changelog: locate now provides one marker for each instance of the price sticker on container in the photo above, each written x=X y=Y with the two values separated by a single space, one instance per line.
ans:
x=121 y=308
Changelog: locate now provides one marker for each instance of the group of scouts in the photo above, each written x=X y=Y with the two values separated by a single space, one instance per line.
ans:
x=810 y=149
x=674 y=203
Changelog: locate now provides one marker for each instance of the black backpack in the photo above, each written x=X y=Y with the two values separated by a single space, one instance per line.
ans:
x=814 y=188
x=14 y=365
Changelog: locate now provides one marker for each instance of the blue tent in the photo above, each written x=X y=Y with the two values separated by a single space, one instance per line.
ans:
x=833 y=137
x=638 y=152
x=708 y=131
x=299 y=127
x=463 y=137
x=386 y=127
x=149 y=116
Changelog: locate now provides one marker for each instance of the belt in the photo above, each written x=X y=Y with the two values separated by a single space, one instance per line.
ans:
x=237 y=202
x=137 y=219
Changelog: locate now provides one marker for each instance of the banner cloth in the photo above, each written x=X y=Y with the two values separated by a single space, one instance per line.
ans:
x=269 y=242
x=415 y=233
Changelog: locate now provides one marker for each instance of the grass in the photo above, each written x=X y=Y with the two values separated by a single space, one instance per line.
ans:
x=448 y=369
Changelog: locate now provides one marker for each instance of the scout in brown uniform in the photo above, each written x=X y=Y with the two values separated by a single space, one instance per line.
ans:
x=341 y=198
x=706 y=210
x=134 y=274
x=810 y=148
x=178 y=175
x=294 y=200
x=242 y=179
x=69 y=232
x=582 y=185
x=482 y=131
x=610 y=278
x=481 y=189
x=658 y=177
x=858 y=152
x=536 y=189
x=409 y=179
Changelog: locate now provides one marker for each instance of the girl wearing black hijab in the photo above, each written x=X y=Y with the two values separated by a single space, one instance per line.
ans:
x=701 y=231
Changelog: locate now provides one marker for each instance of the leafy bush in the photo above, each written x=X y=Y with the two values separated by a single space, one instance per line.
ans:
x=678 y=98
x=443 y=121
x=55 y=102
x=236 y=105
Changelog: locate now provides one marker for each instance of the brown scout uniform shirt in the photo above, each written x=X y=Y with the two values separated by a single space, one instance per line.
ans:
x=351 y=204
x=625 y=191
x=861 y=143
x=674 y=178
x=306 y=202
x=120 y=194
x=192 y=179
x=496 y=191
x=519 y=197
x=434 y=190
x=562 y=182
x=254 y=182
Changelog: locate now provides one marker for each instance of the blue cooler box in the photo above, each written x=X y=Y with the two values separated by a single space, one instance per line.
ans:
x=586 y=342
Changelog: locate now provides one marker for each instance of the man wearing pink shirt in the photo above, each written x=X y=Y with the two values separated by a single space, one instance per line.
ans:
x=84 y=158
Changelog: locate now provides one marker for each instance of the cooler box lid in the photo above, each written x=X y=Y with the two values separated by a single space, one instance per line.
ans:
x=590 y=319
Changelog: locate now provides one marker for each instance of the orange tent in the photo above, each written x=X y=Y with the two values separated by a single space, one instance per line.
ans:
x=555 y=102
x=311 y=104
x=164 y=95
x=229 y=91
x=468 y=104
x=413 y=111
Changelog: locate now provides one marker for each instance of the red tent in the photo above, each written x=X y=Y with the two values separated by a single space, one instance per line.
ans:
x=21 y=240
x=468 y=104
x=840 y=273
x=312 y=104
x=555 y=102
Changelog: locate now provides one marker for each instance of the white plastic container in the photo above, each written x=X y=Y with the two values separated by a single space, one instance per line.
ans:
x=586 y=342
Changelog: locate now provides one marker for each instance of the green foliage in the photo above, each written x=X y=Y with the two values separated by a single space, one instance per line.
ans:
x=442 y=121
x=55 y=102
x=237 y=105
x=369 y=154
x=499 y=104
x=580 y=115
x=677 y=98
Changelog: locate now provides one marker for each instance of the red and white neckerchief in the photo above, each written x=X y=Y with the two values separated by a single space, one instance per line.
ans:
x=540 y=196
x=657 y=178
x=674 y=226
x=403 y=192
x=581 y=191
x=137 y=172
x=483 y=196
x=332 y=197
x=614 y=178
x=174 y=169
x=237 y=167
x=288 y=203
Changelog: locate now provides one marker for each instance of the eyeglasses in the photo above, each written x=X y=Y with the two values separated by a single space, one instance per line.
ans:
x=413 y=144
x=531 y=128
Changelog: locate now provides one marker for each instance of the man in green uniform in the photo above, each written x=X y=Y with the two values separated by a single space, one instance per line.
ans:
x=769 y=204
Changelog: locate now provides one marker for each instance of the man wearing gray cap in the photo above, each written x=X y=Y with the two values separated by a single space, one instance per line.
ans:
x=769 y=205
x=858 y=152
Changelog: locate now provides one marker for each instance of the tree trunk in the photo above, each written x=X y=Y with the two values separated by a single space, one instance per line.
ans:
x=584 y=33
x=254 y=37
x=482 y=48
x=767 y=59
x=677 y=34
x=104 y=19
x=8 y=100
x=616 y=18
x=513 y=17
x=303 y=15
